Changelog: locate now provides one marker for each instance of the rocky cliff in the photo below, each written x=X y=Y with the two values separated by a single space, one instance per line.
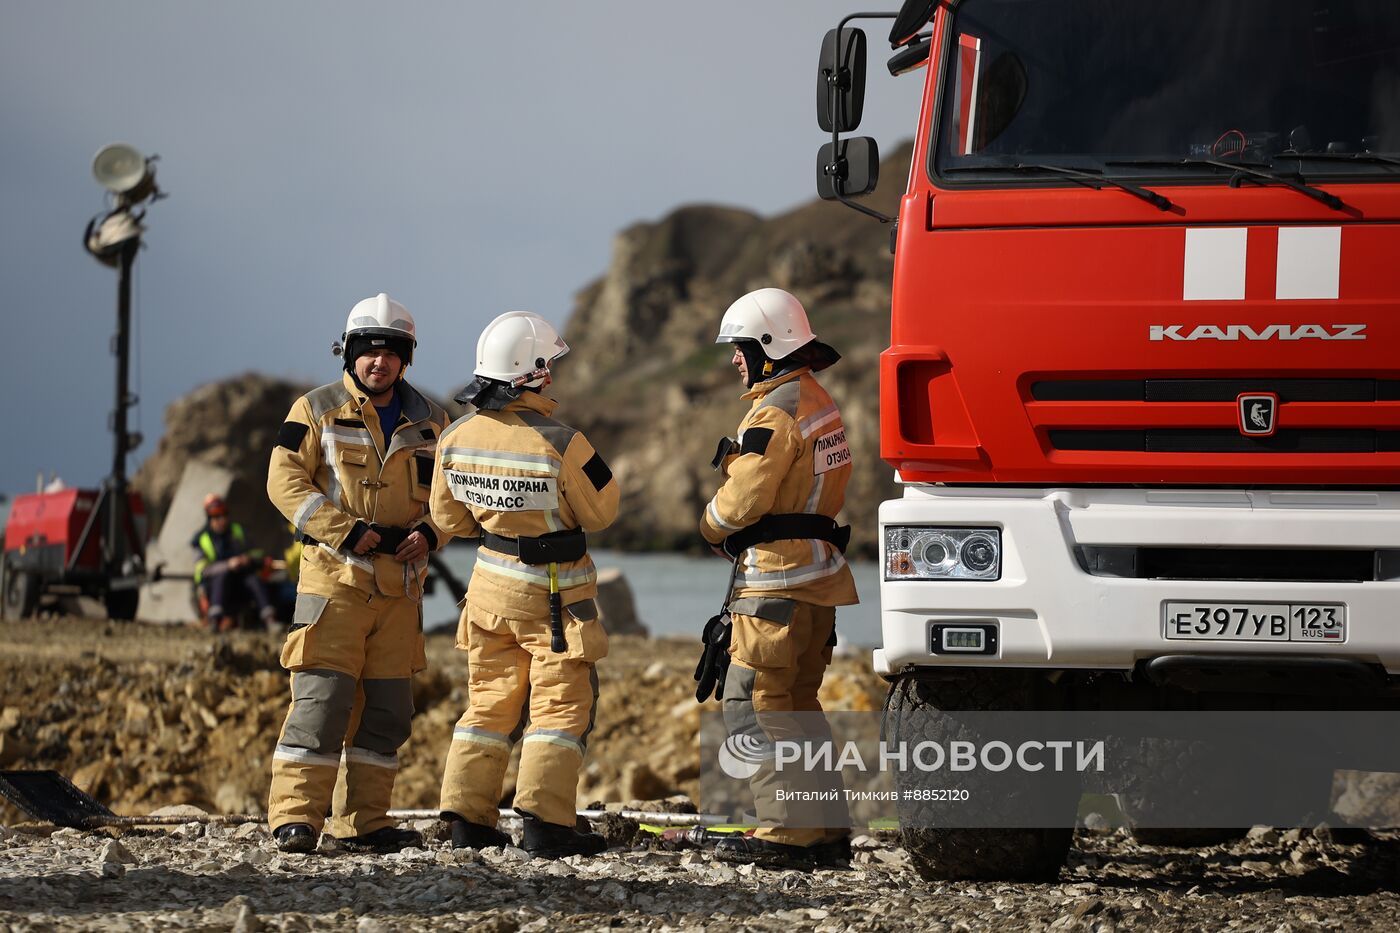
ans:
x=648 y=385
x=232 y=424
x=645 y=379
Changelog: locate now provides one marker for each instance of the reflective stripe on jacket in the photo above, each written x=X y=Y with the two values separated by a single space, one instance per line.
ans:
x=792 y=456
x=519 y=473
x=332 y=469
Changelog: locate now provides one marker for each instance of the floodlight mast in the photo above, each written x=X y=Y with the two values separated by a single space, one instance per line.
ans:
x=114 y=239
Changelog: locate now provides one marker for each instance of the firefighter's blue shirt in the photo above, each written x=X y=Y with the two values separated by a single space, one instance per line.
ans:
x=389 y=416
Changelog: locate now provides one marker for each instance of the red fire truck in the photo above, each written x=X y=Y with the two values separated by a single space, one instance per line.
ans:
x=1143 y=383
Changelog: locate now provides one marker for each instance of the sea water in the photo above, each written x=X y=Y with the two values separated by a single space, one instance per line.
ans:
x=676 y=593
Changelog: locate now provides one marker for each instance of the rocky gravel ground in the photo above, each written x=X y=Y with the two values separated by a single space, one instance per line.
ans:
x=232 y=878
x=145 y=718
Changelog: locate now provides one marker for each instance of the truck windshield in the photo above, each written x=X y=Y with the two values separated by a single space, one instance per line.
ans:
x=1146 y=88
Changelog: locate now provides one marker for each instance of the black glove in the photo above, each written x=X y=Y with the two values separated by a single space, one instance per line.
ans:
x=726 y=446
x=714 y=658
x=390 y=538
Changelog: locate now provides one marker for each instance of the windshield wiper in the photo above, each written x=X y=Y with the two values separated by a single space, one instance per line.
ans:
x=1093 y=179
x=1340 y=157
x=1243 y=171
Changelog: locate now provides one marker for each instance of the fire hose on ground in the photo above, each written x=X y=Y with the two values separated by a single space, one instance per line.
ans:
x=49 y=797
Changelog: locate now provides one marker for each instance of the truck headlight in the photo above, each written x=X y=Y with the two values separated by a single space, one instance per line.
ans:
x=919 y=553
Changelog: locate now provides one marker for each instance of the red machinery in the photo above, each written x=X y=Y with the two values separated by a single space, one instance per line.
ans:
x=52 y=544
x=92 y=542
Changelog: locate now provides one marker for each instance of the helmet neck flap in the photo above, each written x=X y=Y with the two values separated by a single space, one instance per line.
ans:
x=490 y=394
x=761 y=367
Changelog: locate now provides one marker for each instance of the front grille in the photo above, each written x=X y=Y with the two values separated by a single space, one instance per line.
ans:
x=1269 y=564
x=1215 y=390
x=1227 y=440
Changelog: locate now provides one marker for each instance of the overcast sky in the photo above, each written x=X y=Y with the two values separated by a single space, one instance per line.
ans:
x=466 y=158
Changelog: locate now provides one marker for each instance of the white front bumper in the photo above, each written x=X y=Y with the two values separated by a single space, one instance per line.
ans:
x=1052 y=614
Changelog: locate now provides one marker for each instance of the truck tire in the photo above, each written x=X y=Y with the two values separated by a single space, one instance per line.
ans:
x=973 y=854
x=21 y=593
x=1164 y=786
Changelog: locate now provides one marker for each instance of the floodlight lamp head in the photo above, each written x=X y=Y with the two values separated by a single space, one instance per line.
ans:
x=125 y=172
x=108 y=236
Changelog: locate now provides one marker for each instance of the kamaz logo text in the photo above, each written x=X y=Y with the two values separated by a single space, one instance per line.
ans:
x=1268 y=332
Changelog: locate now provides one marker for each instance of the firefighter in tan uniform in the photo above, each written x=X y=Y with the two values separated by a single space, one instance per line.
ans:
x=784 y=483
x=352 y=471
x=531 y=488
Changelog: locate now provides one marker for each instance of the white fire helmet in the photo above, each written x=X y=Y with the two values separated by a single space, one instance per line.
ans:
x=518 y=348
x=771 y=316
x=380 y=321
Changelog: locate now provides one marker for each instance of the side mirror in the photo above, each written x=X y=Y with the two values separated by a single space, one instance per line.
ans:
x=913 y=16
x=848 y=169
x=841 y=81
x=914 y=55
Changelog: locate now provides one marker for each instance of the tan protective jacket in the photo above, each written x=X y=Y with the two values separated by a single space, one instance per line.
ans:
x=332 y=471
x=792 y=456
x=519 y=473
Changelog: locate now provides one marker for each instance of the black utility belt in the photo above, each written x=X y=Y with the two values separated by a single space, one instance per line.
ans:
x=789 y=526
x=557 y=547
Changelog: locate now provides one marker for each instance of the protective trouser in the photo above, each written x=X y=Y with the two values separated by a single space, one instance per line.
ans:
x=223 y=590
x=512 y=664
x=779 y=651
x=352 y=655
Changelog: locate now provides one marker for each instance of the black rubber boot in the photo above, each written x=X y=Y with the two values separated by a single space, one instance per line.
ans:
x=295 y=837
x=835 y=853
x=469 y=835
x=755 y=851
x=384 y=839
x=549 y=840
